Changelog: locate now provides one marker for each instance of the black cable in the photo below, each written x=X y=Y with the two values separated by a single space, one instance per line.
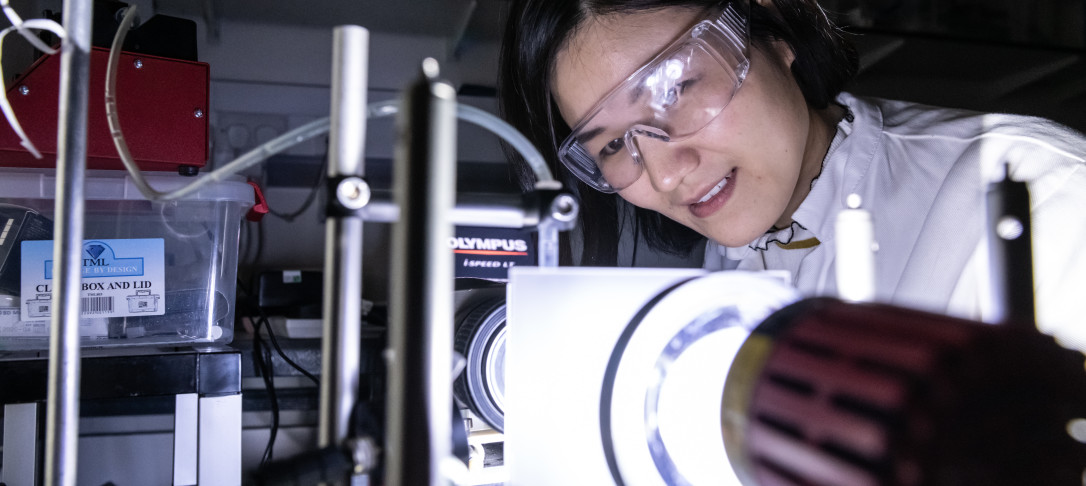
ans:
x=259 y=243
x=289 y=217
x=262 y=361
x=271 y=334
x=262 y=356
x=275 y=343
x=243 y=256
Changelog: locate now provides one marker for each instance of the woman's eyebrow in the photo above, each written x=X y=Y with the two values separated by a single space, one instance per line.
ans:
x=636 y=93
x=587 y=135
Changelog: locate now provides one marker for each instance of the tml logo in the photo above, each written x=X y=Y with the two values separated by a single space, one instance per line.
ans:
x=94 y=251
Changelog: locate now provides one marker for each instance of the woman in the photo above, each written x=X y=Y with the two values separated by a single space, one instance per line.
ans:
x=727 y=118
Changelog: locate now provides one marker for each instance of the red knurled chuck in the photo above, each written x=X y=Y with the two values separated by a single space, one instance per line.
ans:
x=829 y=393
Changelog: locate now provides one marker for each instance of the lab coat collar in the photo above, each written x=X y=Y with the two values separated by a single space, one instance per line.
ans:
x=847 y=160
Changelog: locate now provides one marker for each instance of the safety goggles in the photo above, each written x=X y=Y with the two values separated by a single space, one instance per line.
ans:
x=669 y=99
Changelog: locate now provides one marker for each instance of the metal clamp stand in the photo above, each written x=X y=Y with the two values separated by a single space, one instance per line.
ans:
x=343 y=234
x=557 y=211
x=418 y=431
x=340 y=455
x=62 y=412
x=418 y=426
x=419 y=435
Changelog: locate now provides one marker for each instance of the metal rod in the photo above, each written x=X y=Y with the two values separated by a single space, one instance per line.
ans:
x=62 y=411
x=419 y=402
x=1010 y=253
x=499 y=211
x=557 y=215
x=343 y=239
x=490 y=211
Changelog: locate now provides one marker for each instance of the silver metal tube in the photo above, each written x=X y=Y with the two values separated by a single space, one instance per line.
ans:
x=419 y=411
x=62 y=411
x=548 y=245
x=489 y=211
x=559 y=215
x=343 y=239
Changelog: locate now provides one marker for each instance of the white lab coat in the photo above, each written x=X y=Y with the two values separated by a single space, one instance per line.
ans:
x=923 y=173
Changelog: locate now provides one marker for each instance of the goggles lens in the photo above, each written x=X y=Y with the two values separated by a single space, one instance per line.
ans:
x=672 y=97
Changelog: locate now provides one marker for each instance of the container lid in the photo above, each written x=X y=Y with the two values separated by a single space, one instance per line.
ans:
x=22 y=183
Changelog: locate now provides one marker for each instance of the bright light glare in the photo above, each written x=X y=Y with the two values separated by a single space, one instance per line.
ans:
x=1077 y=429
x=673 y=69
x=689 y=410
x=1009 y=228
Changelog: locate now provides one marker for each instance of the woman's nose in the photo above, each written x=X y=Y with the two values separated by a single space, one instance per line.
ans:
x=665 y=162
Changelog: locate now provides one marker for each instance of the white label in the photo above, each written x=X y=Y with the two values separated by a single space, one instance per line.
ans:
x=10 y=325
x=292 y=276
x=120 y=278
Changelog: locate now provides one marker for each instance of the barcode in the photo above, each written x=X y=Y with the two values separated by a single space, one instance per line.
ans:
x=97 y=305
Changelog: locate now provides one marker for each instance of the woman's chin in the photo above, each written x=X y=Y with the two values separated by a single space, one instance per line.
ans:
x=738 y=232
x=734 y=240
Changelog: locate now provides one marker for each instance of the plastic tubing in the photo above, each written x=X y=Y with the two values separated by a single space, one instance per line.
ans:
x=250 y=158
x=514 y=138
x=22 y=27
x=111 y=102
x=298 y=135
x=492 y=124
x=18 y=23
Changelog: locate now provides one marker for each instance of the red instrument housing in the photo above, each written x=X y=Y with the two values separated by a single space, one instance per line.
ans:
x=162 y=105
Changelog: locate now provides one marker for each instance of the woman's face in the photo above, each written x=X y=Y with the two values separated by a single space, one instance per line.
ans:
x=747 y=171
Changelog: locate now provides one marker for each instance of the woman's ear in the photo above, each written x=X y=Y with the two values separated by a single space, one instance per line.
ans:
x=783 y=52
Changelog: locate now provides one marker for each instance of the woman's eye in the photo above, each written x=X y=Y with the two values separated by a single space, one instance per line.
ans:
x=613 y=147
x=676 y=91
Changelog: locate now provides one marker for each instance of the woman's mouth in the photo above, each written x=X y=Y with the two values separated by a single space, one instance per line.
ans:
x=714 y=191
x=716 y=197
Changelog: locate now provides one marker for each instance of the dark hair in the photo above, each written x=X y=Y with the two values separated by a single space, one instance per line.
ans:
x=535 y=32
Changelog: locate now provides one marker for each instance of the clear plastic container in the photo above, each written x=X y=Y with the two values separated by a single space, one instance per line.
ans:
x=177 y=260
